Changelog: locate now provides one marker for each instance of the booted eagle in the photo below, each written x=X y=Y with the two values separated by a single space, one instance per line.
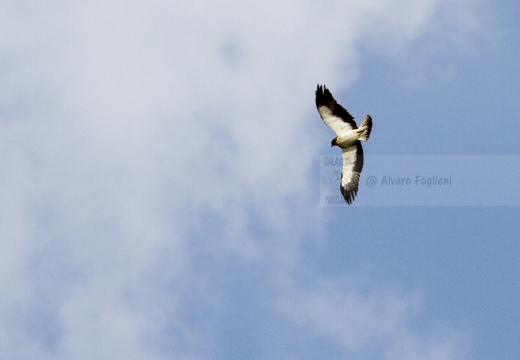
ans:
x=348 y=139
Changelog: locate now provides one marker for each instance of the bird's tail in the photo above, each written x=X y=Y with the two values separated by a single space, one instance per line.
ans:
x=367 y=122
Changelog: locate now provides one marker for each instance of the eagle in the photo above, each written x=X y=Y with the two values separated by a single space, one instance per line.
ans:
x=348 y=139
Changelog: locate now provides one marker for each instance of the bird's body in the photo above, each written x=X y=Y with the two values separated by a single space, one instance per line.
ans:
x=348 y=139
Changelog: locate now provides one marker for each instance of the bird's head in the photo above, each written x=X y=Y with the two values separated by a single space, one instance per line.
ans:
x=333 y=142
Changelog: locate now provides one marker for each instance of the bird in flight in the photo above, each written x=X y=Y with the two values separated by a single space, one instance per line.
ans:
x=348 y=139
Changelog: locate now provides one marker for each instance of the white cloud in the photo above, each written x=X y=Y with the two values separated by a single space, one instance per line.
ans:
x=126 y=124
x=377 y=323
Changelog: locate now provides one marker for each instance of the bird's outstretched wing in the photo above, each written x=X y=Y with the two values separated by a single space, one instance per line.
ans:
x=352 y=166
x=332 y=113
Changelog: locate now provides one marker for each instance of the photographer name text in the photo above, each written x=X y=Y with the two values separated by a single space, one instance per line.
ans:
x=418 y=180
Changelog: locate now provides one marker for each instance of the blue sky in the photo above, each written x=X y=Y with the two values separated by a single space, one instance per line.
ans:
x=160 y=180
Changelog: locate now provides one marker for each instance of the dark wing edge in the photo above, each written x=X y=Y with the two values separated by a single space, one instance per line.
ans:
x=349 y=192
x=325 y=98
